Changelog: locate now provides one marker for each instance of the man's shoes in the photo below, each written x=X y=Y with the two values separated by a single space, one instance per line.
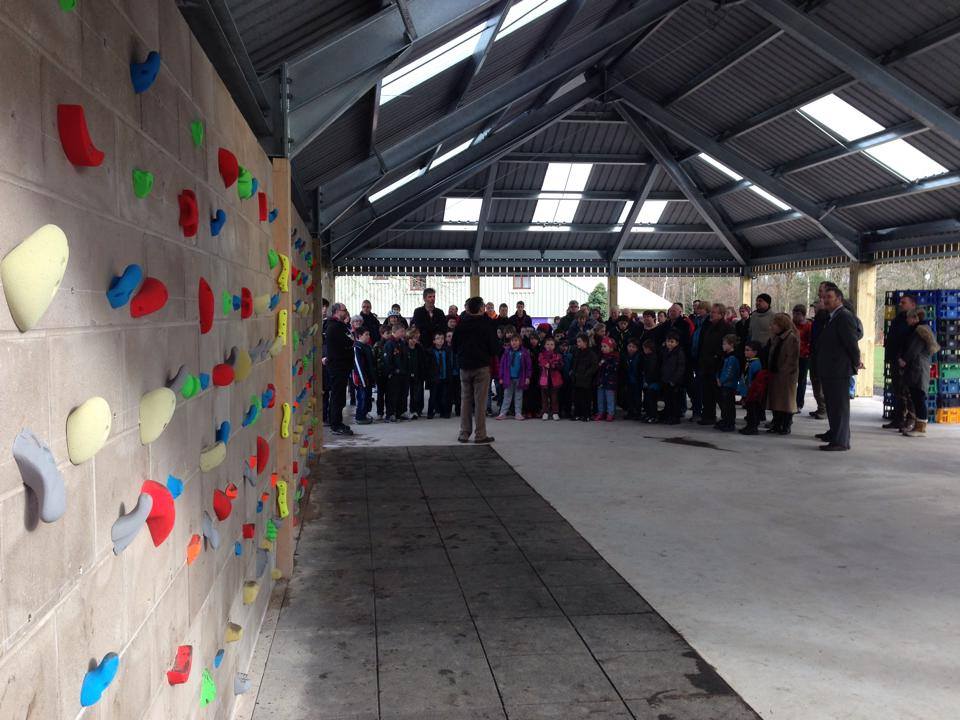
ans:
x=823 y=436
x=749 y=430
x=487 y=439
x=817 y=415
x=365 y=421
x=833 y=448
x=892 y=425
x=341 y=430
x=461 y=438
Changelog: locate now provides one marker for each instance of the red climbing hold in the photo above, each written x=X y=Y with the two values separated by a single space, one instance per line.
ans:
x=229 y=167
x=181 y=666
x=151 y=297
x=206 y=307
x=296 y=467
x=249 y=530
x=222 y=505
x=223 y=375
x=75 y=138
x=189 y=215
x=262 y=199
x=163 y=513
x=263 y=453
x=246 y=303
x=273 y=395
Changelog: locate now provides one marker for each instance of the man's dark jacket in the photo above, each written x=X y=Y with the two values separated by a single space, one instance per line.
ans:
x=475 y=341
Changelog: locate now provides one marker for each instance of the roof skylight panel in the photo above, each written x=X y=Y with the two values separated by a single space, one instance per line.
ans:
x=650 y=214
x=561 y=192
x=461 y=213
x=524 y=12
x=736 y=176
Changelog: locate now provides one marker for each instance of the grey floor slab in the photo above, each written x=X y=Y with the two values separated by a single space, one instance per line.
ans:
x=433 y=583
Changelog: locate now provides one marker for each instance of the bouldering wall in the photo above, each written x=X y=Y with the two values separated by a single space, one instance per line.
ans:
x=157 y=330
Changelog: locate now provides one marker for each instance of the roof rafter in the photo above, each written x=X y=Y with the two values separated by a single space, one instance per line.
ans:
x=592 y=228
x=650 y=179
x=485 y=207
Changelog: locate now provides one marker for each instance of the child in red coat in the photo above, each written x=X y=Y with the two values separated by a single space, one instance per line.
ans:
x=551 y=378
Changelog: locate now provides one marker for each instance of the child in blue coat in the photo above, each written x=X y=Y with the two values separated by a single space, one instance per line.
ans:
x=727 y=380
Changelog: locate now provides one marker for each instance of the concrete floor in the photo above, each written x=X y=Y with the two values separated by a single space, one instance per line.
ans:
x=433 y=582
x=820 y=585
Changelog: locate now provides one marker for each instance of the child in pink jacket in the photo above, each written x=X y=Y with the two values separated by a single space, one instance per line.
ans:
x=551 y=378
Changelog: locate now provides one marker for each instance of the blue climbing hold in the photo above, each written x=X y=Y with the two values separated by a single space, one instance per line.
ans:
x=266 y=398
x=204 y=381
x=236 y=302
x=302 y=395
x=223 y=432
x=218 y=658
x=251 y=417
x=274 y=301
x=259 y=506
x=254 y=186
x=238 y=548
x=142 y=75
x=273 y=214
x=175 y=486
x=98 y=679
x=297 y=304
x=217 y=222
x=122 y=286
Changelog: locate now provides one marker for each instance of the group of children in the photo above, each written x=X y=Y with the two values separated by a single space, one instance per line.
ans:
x=541 y=375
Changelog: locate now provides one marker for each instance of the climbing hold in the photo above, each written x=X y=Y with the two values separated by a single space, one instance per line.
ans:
x=226 y=302
x=282 y=326
x=191 y=386
x=254 y=185
x=248 y=530
x=205 y=303
x=196 y=132
x=122 y=286
x=193 y=549
x=229 y=169
x=244 y=183
x=252 y=414
x=296 y=340
x=273 y=479
x=258 y=352
x=163 y=514
x=32 y=272
x=251 y=589
x=217 y=222
x=263 y=559
x=98 y=679
x=156 y=411
x=218 y=659
x=242 y=366
x=276 y=346
x=151 y=297
x=223 y=375
x=262 y=201
x=238 y=548
x=68 y=5
x=189 y=214
x=208 y=688
x=223 y=432
x=273 y=214
x=210 y=533
x=283 y=279
x=248 y=474
x=211 y=456
x=222 y=505
x=176 y=384
x=270 y=532
x=204 y=381
x=282 y=508
x=241 y=683
x=274 y=301
x=126 y=527
x=261 y=303
x=272 y=258
x=263 y=454
x=285 y=420
x=142 y=183
x=235 y=302
x=75 y=137
x=38 y=470
x=181 y=666
x=246 y=303
x=175 y=486
x=233 y=633
x=269 y=397
x=276 y=573
x=143 y=75
x=88 y=427
x=259 y=506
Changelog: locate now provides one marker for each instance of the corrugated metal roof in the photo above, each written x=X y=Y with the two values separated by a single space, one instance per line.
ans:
x=794 y=230
x=875 y=27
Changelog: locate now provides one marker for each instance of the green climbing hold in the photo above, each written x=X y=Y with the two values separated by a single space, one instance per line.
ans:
x=142 y=183
x=191 y=386
x=227 y=302
x=196 y=131
x=296 y=340
x=68 y=5
x=271 y=531
x=208 y=688
x=244 y=183
x=272 y=258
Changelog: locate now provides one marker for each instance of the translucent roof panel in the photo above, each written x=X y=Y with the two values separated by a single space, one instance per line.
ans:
x=462 y=209
x=735 y=176
x=393 y=186
x=649 y=215
x=524 y=12
x=569 y=179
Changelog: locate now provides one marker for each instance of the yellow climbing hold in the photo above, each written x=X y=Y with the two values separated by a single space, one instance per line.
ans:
x=250 y=591
x=32 y=272
x=211 y=456
x=88 y=427
x=282 y=326
x=156 y=410
x=282 y=508
x=242 y=367
x=234 y=633
x=283 y=279
x=285 y=420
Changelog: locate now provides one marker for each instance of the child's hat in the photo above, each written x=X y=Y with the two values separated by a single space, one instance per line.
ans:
x=608 y=342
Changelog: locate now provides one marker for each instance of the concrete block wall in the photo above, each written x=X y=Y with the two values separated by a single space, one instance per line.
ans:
x=65 y=599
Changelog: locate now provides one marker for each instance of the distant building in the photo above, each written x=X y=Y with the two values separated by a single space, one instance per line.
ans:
x=544 y=297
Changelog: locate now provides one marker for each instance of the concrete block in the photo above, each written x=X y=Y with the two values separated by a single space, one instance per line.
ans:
x=94 y=187
x=145 y=18
x=119 y=470
x=140 y=669
x=192 y=157
x=201 y=81
x=56 y=32
x=20 y=142
x=165 y=261
x=88 y=626
x=158 y=211
x=28 y=676
x=109 y=45
x=158 y=112
x=26 y=398
x=147 y=572
x=175 y=39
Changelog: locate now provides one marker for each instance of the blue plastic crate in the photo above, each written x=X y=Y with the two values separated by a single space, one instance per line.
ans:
x=948 y=400
x=948 y=312
x=949 y=386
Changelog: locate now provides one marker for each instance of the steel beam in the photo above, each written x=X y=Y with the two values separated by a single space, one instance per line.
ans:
x=767 y=220
x=573 y=157
x=890 y=192
x=579 y=55
x=518 y=227
x=593 y=118
x=650 y=179
x=485 y=207
x=365 y=224
x=925 y=229
x=730 y=187
x=840 y=233
x=592 y=195
x=658 y=148
x=859 y=66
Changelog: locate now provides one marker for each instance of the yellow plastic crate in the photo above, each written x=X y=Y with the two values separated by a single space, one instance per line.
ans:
x=948 y=416
x=889 y=312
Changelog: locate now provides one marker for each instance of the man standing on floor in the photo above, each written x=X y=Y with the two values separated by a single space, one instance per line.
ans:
x=838 y=358
x=474 y=343
x=894 y=344
x=429 y=319
x=338 y=360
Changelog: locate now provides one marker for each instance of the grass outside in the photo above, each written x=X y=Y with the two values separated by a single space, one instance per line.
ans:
x=878 y=367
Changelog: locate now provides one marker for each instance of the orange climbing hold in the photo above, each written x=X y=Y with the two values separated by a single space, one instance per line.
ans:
x=193 y=549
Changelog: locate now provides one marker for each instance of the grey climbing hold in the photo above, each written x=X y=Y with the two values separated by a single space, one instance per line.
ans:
x=127 y=526
x=263 y=559
x=241 y=683
x=232 y=359
x=210 y=532
x=249 y=475
x=38 y=469
x=176 y=383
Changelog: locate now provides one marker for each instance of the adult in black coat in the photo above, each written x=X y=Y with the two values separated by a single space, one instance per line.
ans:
x=428 y=318
x=709 y=360
x=475 y=344
x=370 y=321
x=338 y=360
x=837 y=359
x=520 y=319
x=894 y=345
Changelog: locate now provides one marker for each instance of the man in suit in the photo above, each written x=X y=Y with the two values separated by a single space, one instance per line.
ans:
x=837 y=359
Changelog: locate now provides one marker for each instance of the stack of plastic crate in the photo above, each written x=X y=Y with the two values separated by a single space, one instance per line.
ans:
x=942 y=310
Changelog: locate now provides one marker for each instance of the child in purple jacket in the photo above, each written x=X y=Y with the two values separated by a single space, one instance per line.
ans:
x=515 y=371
